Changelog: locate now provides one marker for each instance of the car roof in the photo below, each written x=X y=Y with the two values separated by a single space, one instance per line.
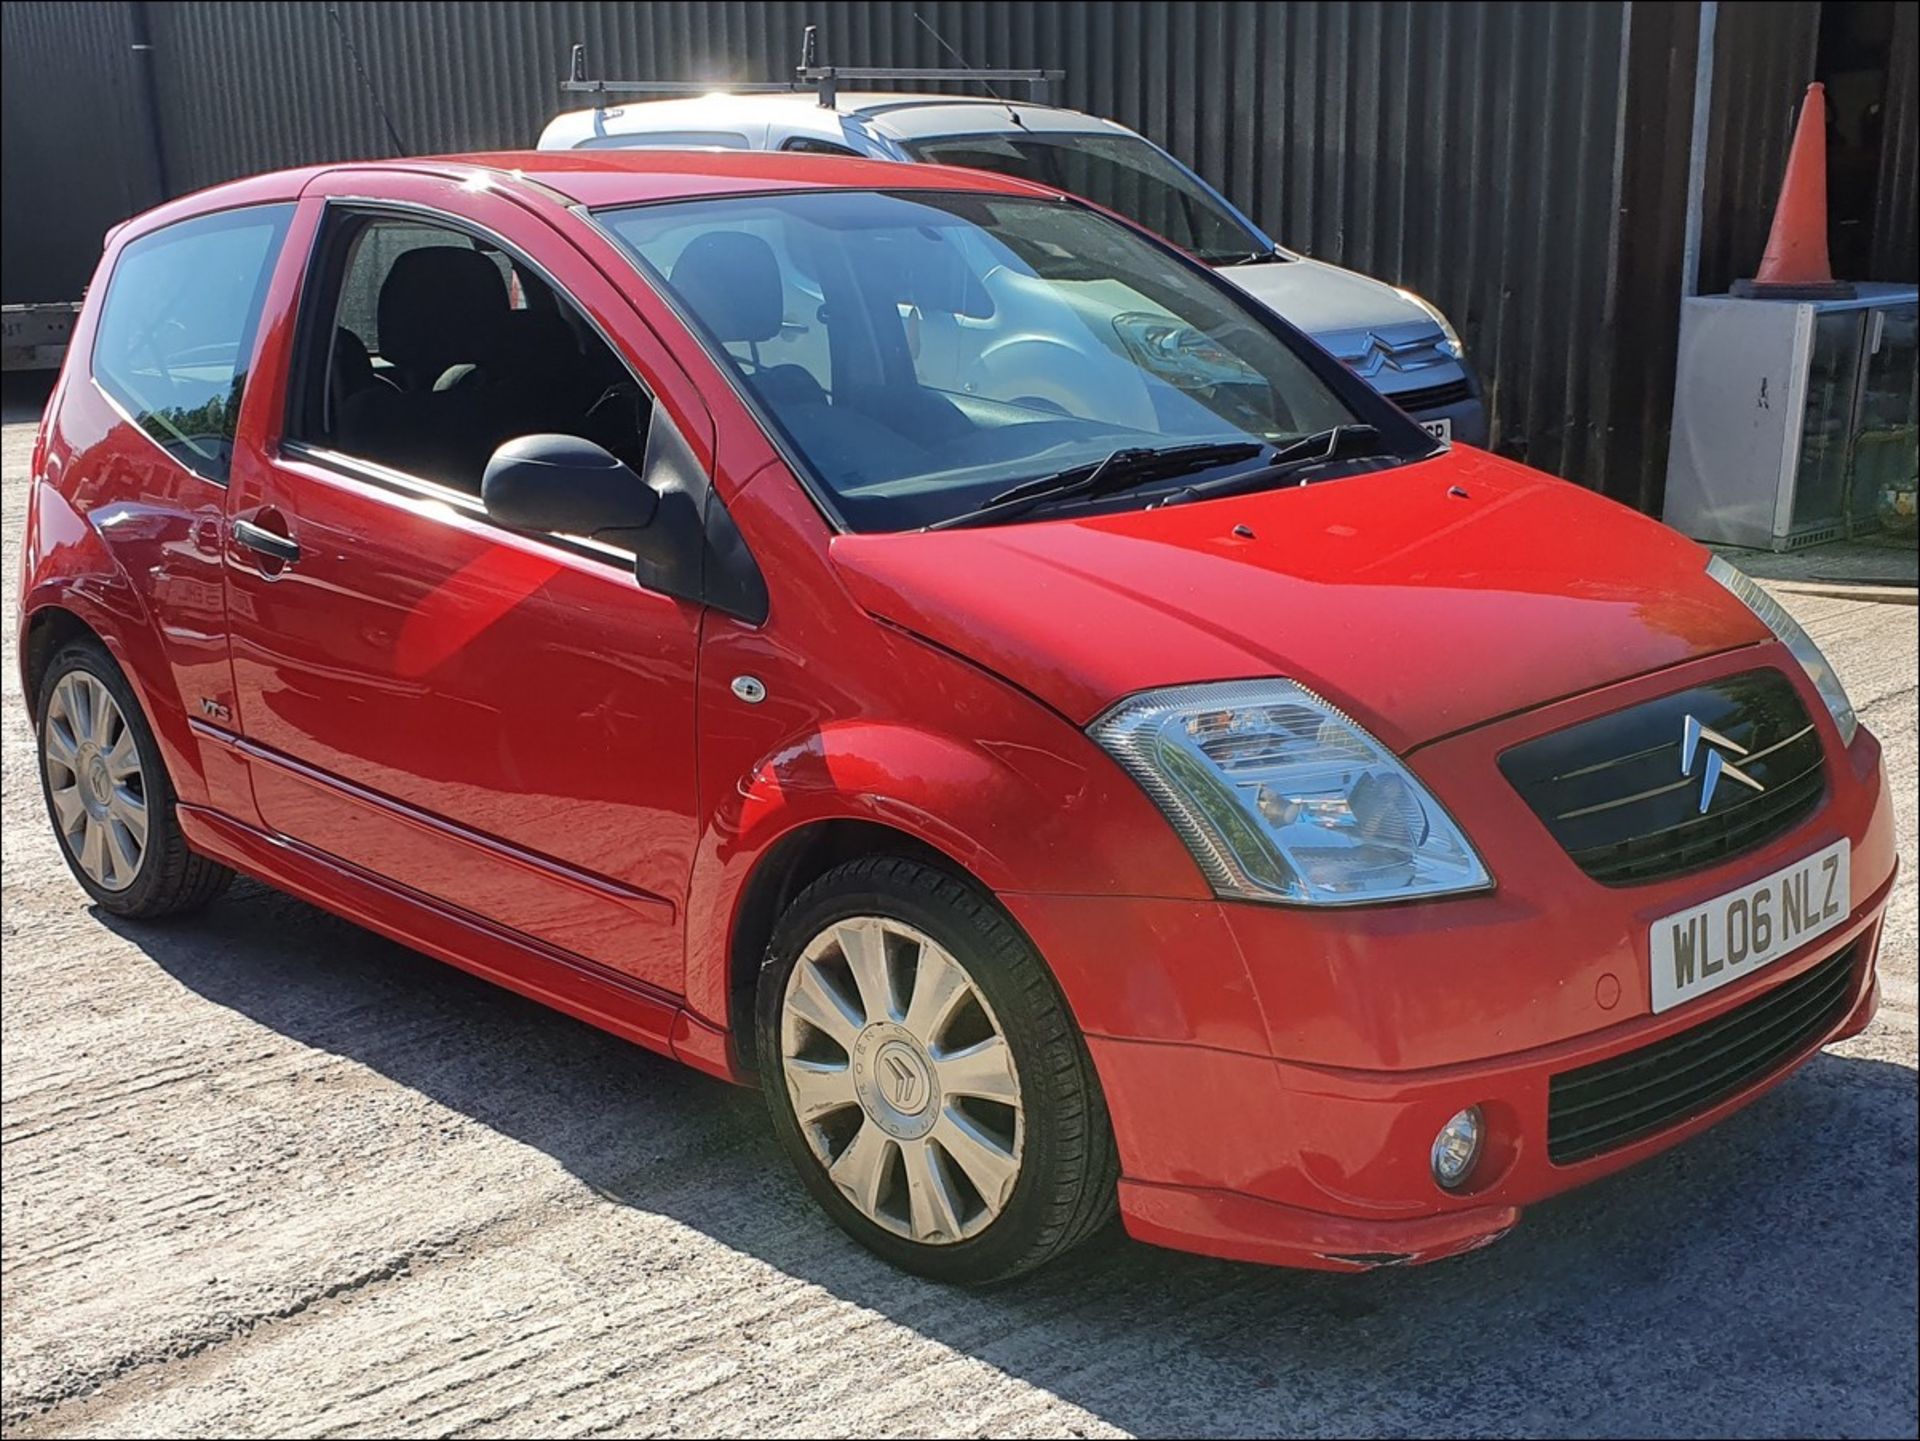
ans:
x=631 y=177
x=596 y=178
x=894 y=115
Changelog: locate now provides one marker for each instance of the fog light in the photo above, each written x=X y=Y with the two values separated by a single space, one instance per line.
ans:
x=1456 y=1148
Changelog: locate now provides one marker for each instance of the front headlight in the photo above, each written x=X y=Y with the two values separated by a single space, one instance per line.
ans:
x=1774 y=617
x=1280 y=797
x=1453 y=345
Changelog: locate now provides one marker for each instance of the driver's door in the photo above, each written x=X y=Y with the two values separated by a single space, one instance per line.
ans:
x=500 y=722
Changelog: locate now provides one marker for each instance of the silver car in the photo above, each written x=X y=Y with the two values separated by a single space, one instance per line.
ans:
x=1393 y=338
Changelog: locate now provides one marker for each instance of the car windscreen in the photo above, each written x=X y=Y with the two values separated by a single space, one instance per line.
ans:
x=921 y=352
x=1121 y=172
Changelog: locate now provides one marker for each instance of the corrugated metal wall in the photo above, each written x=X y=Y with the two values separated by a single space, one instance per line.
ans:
x=75 y=152
x=1465 y=150
x=1764 y=52
x=1524 y=165
x=1896 y=242
x=1765 y=56
x=1646 y=277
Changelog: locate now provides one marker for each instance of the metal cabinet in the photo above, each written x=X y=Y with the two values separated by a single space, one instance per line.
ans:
x=1794 y=422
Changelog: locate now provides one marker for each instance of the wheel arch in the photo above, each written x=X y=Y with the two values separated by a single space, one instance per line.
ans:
x=785 y=868
x=1004 y=818
x=48 y=630
x=100 y=570
x=76 y=584
x=58 y=613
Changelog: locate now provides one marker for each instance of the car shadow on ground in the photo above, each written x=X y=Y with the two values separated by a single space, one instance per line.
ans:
x=1761 y=1277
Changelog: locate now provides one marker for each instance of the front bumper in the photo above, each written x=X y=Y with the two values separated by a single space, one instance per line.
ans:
x=1276 y=1075
x=1467 y=418
x=1349 y=1150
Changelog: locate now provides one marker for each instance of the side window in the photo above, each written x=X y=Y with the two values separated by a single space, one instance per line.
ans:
x=177 y=329
x=375 y=251
x=808 y=145
x=428 y=347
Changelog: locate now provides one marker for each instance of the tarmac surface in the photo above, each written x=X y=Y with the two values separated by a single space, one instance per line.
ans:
x=267 y=1174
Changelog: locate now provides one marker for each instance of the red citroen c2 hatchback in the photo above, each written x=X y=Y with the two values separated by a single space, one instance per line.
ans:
x=923 y=646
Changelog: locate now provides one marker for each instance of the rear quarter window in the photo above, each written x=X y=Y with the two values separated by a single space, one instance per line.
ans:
x=177 y=329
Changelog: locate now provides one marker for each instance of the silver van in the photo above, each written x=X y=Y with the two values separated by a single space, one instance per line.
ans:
x=1397 y=341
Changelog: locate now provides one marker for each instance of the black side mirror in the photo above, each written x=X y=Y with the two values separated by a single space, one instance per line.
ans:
x=683 y=541
x=565 y=484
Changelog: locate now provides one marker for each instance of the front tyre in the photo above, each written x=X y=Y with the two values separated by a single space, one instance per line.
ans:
x=108 y=795
x=925 y=1078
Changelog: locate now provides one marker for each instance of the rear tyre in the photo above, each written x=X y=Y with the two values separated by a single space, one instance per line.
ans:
x=925 y=1078
x=108 y=795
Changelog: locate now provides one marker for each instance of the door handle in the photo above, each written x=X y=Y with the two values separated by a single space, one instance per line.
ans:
x=283 y=548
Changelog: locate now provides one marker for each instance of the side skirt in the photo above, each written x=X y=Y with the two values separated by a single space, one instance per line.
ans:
x=594 y=994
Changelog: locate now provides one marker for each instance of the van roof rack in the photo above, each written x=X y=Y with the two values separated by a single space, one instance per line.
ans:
x=824 y=80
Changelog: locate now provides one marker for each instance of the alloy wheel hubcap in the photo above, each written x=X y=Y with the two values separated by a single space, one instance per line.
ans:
x=893 y=1081
x=94 y=777
x=902 y=1080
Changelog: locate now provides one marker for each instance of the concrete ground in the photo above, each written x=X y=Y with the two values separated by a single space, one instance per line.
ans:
x=1885 y=561
x=265 y=1174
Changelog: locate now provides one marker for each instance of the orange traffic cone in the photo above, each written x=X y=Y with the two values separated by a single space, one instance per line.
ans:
x=1795 y=266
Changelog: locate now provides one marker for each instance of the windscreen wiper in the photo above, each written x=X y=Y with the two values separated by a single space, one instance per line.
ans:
x=1338 y=442
x=1122 y=470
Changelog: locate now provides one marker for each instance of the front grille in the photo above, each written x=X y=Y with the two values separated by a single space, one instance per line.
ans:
x=1616 y=793
x=1433 y=397
x=1610 y=1103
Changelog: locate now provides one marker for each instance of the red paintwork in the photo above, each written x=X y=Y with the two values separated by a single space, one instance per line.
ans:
x=512 y=757
x=1416 y=610
x=360 y=674
x=630 y=177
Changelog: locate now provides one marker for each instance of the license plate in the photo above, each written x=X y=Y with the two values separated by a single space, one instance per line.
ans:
x=1441 y=429
x=1708 y=946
